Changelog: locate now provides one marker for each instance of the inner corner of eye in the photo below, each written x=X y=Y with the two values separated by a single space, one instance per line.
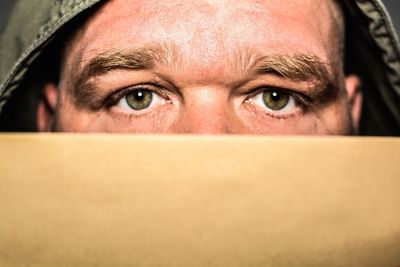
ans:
x=248 y=100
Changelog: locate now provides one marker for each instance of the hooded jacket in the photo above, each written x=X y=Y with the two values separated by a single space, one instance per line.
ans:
x=371 y=51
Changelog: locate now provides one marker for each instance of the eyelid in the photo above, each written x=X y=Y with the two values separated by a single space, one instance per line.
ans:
x=299 y=97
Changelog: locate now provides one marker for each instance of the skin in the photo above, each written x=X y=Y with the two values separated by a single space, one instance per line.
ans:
x=208 y=81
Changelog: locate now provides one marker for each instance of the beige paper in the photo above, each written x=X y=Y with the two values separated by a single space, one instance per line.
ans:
x=115 y=200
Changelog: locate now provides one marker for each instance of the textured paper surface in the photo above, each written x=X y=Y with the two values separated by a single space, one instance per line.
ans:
x=98 y=200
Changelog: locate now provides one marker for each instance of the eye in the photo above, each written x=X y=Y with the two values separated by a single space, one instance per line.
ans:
x=139 y=99
x=275 y=100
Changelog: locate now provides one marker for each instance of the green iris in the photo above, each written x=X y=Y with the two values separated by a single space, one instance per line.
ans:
x=275 y=99
x=139 y=99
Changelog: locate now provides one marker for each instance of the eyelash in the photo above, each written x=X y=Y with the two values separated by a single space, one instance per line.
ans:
x=113 y=97
x=306 y=99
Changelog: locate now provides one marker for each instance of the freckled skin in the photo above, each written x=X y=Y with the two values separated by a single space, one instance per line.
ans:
x=207 y=35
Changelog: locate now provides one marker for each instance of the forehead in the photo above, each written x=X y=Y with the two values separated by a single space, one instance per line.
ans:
x=206 y=30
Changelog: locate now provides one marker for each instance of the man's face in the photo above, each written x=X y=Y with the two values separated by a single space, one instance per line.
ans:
x=205 y=66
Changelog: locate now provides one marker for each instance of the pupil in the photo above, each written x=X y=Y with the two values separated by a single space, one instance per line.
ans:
x=139 y=96
x=275 y=96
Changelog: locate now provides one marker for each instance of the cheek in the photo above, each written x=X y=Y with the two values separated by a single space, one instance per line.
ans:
x=71 y=119
x=336 y=120
x=332 y=119
x=152 y=123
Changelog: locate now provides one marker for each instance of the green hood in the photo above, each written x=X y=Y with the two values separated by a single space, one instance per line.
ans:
x=372 y=51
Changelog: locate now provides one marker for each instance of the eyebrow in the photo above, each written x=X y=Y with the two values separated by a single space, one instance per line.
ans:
x=299 y=67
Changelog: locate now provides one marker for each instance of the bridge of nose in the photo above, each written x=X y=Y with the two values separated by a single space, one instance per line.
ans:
x=206 y=110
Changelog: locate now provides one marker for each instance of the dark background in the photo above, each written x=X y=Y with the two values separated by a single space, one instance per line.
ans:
x=392 y=5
